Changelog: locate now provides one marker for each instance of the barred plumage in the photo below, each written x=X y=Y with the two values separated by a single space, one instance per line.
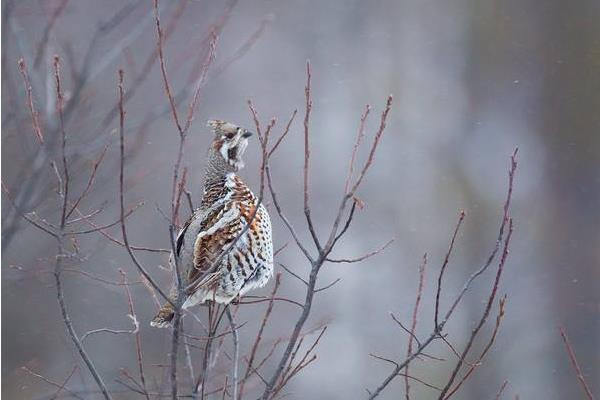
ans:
x=227 y=207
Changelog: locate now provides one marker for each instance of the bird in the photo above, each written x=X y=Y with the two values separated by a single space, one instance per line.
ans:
x=227 y=207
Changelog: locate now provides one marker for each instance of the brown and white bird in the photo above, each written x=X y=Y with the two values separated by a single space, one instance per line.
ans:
x=227 y=207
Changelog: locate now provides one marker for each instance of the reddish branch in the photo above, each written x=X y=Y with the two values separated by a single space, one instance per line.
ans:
x=501 y=242
x=61 y=254
x=163 y=68
x=486 y=349
x=60 y=386
x=35 y=117
x=177 y=184
x=90 y=182
x=284 y=370
x=461 y=218
x=113 y=239
x=259 y=336
x=139 y=266
x=575 y=364
x=359 y=138
x=307 y=111
x=363 y=257
x=138 y=338
x=30 y=193
x=296 y=356
x=413 y=326
x=63 y=169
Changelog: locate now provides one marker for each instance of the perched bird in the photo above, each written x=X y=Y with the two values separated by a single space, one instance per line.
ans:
x=227 y=207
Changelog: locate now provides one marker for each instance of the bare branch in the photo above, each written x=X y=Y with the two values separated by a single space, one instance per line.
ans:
x=60 y=386
x=575 y=364
x=122 y=190
x=405 y=329
x=26 y=217
x=236 y=352
x=138 y=338
x=439 y=327
x=461 y=218
x=112 y=331
x=485 y=349
x=328 y=285
x=63 y=147
x=499 y=394
x=163 y=68
x=100 y=279
x=308 y=108
x=292 y=273
x=111 y=238
x=35 y=117
x=69 y=325
x=104 y=227
x=413 y=326
x=363 y=257
x=284 y=134
x=482 y=320
x=90 y=182
x=376 y=140
x=492 y=256
x=259 y=335
x=359 y=138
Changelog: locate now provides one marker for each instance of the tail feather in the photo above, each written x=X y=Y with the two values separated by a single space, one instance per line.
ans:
x=164 y=317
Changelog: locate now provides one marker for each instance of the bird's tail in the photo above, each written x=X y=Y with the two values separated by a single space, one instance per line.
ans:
x=164 y=316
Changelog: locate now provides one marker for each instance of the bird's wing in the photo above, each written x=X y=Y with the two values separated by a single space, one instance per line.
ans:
x=219 y=230
x=182 y=232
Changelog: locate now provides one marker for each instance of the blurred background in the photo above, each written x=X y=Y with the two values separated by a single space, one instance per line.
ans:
x=471 y=81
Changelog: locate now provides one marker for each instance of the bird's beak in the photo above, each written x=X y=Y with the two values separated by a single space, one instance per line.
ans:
x=247 y=134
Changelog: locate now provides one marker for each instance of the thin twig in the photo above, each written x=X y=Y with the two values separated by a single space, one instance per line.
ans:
x=575 y=364
x=109 y=225
x=413 y=326
x=461 y=218
x=35 y=117
x=359 y=137
x=487 y=347
x=69 y=325
x=363 y=257
x=328 y=285
x=437 y=330
x=64 y=383
x=163 y=68
x=292 y=273
x=138 y=338
x=308 y=108
x=133 y=257
x=405 y=329
x=63 y=147
x=284 y=134
x=499 y=394
x=280 y=375
x=60 y=386
x=112 y=239
x=236 y=352
x=90 y=182
x=259 y=335
x=446 y=392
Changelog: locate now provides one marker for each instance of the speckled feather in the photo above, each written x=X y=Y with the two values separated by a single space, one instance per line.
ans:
x=227 y=207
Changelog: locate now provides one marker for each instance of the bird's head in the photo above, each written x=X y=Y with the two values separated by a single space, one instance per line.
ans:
x=229 y=143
